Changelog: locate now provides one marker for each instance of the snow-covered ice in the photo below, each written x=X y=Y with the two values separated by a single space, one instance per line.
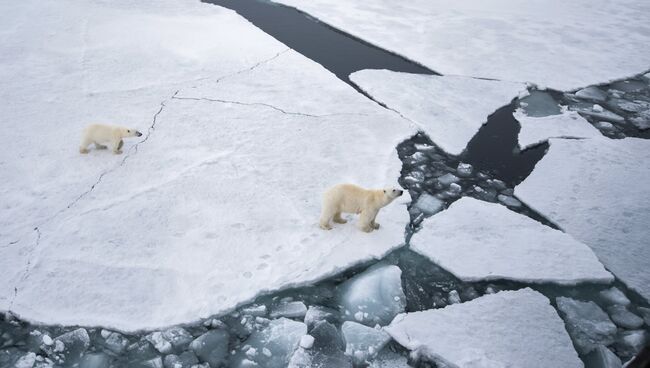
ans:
x=374 y=296
x=595 y=190
x=477 y=240
x=558 y=44
x=506 y=329
x=220 y=198
x=289 y=310
x=614 y=296
x=449 y=109
x=568 y=124
x=588 y=325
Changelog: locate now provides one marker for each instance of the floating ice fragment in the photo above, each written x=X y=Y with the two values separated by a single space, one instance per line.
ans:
x=605 y=125
x=363 y=342
x=281 y=337
x=373 y=291
x=509 y=201
x=592 y=93
x=645 y=312
x=153 y=363
x=212 y=347
x=629 y=343
x=325 y=351
x=464 y=170
x=601 y=357
x=255 y=310
x=614 y=295
x=447 y=179
x=159 y=342
x=47 y=340
x=454 y=298
x=306 y=342
x=289 y=310
x=317 y=313
x=622 y=317
x=26 y=361
x=429 y=204
x=97 y=360
x=588 y=325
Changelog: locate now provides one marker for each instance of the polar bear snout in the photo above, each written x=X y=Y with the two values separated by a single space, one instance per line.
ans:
x=138 y=134
x=400 y=192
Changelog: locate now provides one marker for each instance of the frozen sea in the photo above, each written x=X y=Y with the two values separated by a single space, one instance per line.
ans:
x=521 y=229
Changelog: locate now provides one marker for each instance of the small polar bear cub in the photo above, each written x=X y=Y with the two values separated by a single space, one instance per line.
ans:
x=349 y=198
x=102 y=135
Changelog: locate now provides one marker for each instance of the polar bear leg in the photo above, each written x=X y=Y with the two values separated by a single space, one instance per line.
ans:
x=117 y=146
x=326 y=216
x=99 y=146
x=83 y=147
x=366 y=219
x=374 y=225
x=338 y=219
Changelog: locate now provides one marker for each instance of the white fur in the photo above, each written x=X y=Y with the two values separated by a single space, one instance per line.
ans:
x=104 y=135
x=349 y=198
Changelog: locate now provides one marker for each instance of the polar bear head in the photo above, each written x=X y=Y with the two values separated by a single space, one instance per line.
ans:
x=129 y=132
x=392 y=193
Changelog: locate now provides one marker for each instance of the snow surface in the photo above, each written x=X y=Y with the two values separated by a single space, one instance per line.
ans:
x=215 y=204
x=477 y=240
x=596 y=190
x=569 y=124
x=449 y=109
x=507 y=329
x=560 y=44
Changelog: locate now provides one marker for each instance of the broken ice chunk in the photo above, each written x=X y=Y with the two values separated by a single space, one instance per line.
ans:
x=281 y=337
x=454 y=298
x=588 y=325
x=95 y=360
x=645 y=312
x=376 y=292
x=603 y=125
x=307 y=341
x=317 y=313
x=614 y=296
x=325 y=350
x=464 y=170
x=255 y=310
x=158 y=341
x=212 y=347
x=26 y=361
x=289 y=310
x=73 y=344
x=362 y=342
x=629 y=85
x=624 y=318
x=629 y=343
x=114 y=341
x=429 y=204
x=642 y=121
x=592 y=93
x=186 y=360
x=447 y=179
x=601 y=357
x=598 y=113
x=509 y=201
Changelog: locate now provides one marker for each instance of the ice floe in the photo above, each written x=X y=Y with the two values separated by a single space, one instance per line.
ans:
x=449 y=109
x=507 y=329
x=557 y=44
x=477 y=240
x=569 y=124
x=219 y=200
x=594 y=189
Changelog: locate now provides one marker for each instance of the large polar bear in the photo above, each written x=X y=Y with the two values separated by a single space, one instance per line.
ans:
x=101 y=135
x=350 y=198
